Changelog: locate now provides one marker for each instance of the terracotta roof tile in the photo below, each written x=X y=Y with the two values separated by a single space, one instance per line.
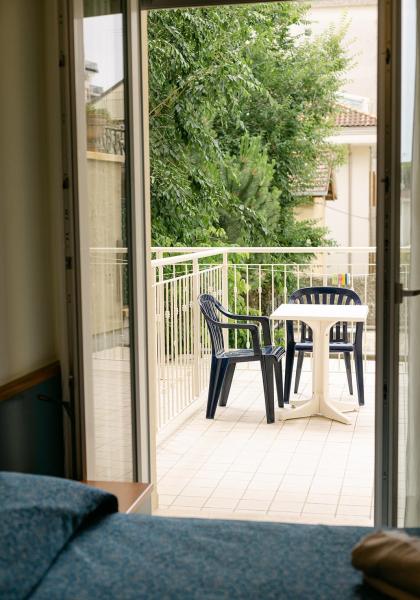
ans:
x=350 y=117
x=319 y=185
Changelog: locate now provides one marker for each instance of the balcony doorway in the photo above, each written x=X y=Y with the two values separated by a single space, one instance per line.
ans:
x=263 y=181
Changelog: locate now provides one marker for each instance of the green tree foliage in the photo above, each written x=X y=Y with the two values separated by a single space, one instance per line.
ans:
x=253 y=213
x=241 y=101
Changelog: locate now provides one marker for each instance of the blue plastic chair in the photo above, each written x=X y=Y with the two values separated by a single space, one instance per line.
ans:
x=223 y=362
x=339 y=337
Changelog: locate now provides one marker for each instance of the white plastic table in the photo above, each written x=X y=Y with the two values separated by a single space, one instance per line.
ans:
x=320 y=318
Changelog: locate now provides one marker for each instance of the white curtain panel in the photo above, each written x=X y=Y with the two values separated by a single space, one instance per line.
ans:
x=412 y=506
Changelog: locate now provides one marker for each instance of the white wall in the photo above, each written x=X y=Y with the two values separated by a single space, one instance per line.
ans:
x=360 y=40
x=348 y=217
x=30 y=188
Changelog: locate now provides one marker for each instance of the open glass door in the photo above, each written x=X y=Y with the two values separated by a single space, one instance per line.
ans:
x=104 y=84
x=105 y=248
x=408 y=481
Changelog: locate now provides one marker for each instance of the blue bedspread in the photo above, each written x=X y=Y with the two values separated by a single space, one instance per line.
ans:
x=74 y=545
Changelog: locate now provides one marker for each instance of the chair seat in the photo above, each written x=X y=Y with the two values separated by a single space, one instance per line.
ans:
x=246 y=355
x=334 y=347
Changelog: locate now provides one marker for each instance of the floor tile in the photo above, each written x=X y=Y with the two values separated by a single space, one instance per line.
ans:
x=238 y=467
x=195 y=490
x=194 y=501
x=353 y=511
x=318 y=509
x=221 y=502
x=165 y=499
x=252 y=504
x=315 y=498
x=356 y=500
x=284 y=506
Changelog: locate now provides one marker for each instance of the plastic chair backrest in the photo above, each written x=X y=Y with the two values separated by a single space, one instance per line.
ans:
x=209 y=307
x=323 y=295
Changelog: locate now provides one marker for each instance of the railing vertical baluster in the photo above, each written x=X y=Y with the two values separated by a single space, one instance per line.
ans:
x=160 y=297
x=176 y=346
x=172 y=312
x=205 y=283
x=247 y=300
x=183 y=343
x=235 y=300
x=189 y=333
x=225 y=292
x=366 y=301
x=167 y=315
x=273 y=307
x=156 y=315
x=196 y=328
x=324 y=273
x=298 y=276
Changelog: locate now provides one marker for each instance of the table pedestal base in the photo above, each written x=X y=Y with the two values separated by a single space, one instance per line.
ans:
x=318 y=407
x=319 y=404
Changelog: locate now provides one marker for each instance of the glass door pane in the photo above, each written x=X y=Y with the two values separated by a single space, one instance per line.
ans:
x=109 y=410
x=409 y=348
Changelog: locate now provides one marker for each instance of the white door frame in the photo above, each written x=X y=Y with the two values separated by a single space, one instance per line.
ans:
x=387 y=273
x=387 y=237
x=77 y=240
x=143 y=323
x=387 y=265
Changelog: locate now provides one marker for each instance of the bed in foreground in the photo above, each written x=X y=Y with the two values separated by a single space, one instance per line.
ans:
x=61 y=539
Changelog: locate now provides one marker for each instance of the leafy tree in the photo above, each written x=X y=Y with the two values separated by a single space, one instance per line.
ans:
x=251 y=217
x=241 y=101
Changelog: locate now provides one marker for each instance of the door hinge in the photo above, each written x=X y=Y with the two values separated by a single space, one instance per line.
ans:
x=388 y=56
x=69 y=263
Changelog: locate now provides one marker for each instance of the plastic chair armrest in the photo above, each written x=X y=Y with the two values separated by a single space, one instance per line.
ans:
x=253 y=329
x=263 y=321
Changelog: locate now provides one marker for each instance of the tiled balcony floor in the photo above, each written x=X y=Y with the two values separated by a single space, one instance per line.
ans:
x=304 y=470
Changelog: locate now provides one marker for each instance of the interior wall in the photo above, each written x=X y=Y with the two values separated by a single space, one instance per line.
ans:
x=31 y=290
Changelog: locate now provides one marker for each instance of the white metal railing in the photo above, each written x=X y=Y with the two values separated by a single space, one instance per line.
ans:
x=247 y=280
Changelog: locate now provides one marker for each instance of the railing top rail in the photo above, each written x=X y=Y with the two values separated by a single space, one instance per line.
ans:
x=265 y=249
x=114 y=250
x=164 y=262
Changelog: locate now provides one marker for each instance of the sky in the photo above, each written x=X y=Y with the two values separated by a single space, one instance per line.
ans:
x=103 y=44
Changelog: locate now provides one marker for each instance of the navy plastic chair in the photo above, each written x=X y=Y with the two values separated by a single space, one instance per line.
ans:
x=223 y=362
x=339 y=337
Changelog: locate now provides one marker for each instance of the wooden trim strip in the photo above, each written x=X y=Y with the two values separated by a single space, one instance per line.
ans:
x=130 y=494
x=18 y=386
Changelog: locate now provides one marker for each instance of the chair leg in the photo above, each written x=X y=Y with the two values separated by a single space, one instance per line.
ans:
x=267 y=375
x=358 y=364
x=221 y=373
x=298 y=370
x=347 y=362
x=279 y=382
x=224 y=394
x=214 y=371
x=290 y=357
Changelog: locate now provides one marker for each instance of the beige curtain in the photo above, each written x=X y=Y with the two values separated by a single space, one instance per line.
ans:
x=412 y=506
